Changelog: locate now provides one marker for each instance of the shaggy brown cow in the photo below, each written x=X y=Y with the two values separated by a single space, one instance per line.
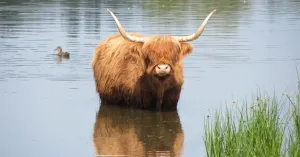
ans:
x=141 y=71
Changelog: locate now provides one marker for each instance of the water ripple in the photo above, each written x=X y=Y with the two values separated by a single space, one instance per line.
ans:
x=245 y=44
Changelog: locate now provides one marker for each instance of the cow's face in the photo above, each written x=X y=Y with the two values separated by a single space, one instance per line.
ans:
x=162 y=54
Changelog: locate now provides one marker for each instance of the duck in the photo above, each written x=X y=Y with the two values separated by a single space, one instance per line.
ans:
x=61 y=53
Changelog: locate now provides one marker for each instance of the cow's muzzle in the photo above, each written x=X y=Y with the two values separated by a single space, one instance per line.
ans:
x=162 y=70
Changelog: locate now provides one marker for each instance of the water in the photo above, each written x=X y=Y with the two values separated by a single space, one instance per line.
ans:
x=49 y=105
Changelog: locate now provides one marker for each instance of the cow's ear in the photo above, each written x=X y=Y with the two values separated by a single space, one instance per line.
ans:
x=186 y=49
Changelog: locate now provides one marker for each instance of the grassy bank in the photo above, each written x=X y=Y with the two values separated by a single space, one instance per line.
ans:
x=258 y=129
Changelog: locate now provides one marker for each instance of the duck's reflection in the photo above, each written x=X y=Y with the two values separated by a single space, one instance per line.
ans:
x=130 y=132
x=60 y=58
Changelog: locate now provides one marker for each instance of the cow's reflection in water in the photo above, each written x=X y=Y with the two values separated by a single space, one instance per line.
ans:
x=130 y=132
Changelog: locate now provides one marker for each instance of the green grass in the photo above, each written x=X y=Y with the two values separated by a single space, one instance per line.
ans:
x=294 y=143
x=258 y=130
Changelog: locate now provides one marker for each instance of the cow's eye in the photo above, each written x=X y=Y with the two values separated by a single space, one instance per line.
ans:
x=147 y=61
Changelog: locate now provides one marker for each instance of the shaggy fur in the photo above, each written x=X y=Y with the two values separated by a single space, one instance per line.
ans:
x=124 y=71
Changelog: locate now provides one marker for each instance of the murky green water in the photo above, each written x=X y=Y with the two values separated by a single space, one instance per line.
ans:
x=49 y=106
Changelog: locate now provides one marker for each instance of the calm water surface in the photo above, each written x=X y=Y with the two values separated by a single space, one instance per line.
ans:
x=49 y=106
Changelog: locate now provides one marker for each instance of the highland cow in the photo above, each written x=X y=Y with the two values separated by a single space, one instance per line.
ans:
x=141 y=71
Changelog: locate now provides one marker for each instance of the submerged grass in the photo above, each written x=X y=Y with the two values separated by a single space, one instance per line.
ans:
x=259 y=130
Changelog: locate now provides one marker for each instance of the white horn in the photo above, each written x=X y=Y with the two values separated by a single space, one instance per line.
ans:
x=198 y=33
x=123 y=33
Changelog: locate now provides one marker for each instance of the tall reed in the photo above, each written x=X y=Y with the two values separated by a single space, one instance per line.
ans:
x=294 y=135
x=260 y=129
x=250 y=132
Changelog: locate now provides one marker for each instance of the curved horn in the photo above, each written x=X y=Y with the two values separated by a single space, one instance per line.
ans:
x=198 y=33
x=123 y=33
